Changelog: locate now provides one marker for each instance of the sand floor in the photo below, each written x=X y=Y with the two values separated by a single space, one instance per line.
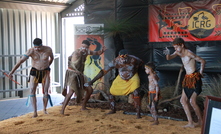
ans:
x=93 y=121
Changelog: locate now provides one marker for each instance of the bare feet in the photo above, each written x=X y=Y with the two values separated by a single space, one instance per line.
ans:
x=82 y=109
x=155 y=123
x=45 y=112
x=151 y=120
x=62 y=112
x=111 y=112
x=34 y=115
x=198 y=124
x=189 y=125
x=138 y=117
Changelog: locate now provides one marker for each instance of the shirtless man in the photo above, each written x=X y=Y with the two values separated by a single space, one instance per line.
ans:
x=126 y=82
x=192 y=84
x=42 y=57
x=75 y=78
x=154 y=91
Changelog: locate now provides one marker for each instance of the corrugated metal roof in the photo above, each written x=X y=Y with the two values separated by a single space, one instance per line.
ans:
x=37 y=5
x=58 y=1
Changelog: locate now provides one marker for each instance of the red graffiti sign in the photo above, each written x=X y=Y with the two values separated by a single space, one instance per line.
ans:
x=192 y=21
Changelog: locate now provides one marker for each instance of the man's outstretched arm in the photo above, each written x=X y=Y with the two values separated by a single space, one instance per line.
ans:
x=99 y=75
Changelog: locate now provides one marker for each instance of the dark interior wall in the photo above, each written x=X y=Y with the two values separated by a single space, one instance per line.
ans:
x=97 y=11
x=136 y=11
x=211 y=52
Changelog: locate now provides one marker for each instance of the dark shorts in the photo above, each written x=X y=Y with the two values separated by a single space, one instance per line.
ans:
x=39 y=74
x=151 y=100
x=197 y=89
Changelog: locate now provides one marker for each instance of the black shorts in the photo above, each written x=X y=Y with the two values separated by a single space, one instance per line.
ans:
x=197 y=89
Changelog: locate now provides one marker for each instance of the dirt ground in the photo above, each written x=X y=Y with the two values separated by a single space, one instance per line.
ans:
x=95 y=121
x=127 y=108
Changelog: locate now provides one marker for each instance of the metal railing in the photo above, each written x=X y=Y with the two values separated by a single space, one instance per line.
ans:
x=10 y=86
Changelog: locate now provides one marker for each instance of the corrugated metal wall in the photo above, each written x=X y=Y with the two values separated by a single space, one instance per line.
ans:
x=18 y=28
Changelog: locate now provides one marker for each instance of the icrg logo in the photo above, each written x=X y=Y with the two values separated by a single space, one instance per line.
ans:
x=201 y=24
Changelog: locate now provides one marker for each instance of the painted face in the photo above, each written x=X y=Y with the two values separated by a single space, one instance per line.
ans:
x=178 y=48
x=147 y=70
x=37 y=48
x=84 y=48
x=123 y=58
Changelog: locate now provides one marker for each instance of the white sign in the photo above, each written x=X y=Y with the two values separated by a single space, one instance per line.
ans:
x=215 y=124
x=88 y=29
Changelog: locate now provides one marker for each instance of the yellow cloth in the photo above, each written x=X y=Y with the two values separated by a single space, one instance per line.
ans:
x=124 y=87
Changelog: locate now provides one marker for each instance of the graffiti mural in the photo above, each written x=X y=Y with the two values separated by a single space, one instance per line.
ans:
x=192 y=21
x=91 y=32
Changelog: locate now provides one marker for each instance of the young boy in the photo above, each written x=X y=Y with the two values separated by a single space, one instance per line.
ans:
x=154 y=91
x=192 y=83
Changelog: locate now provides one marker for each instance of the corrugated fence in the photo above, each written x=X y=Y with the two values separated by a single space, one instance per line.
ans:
x=18 y=28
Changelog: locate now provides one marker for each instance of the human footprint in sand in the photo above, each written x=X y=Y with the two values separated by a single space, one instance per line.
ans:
x=42 y=57
x=154 y=91
x=192 y=83
x=126 y=82
x=75 y=78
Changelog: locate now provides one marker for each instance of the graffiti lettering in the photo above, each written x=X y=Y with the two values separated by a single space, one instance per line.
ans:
x=201 y=24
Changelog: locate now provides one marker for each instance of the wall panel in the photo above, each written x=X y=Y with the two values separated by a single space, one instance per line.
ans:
x=1 y=53
x=18 y=28
x=11 y=36
x=5 y=42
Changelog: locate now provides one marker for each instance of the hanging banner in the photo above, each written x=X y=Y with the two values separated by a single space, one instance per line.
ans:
x=192 y=21
x=94 y=34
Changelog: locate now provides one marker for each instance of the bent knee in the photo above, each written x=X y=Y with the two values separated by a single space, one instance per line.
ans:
x=193 y=103
x=183 y=101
